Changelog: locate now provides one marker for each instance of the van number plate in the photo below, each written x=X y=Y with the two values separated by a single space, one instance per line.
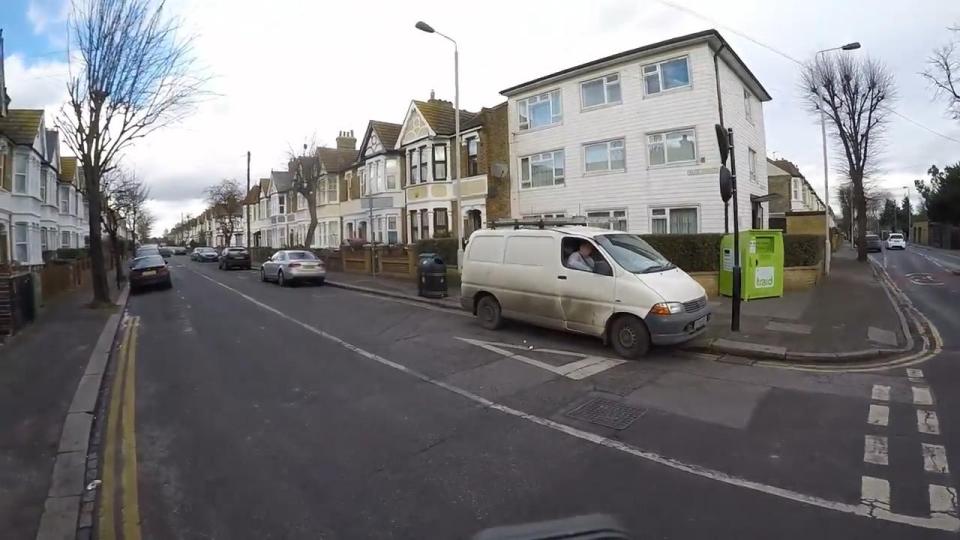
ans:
x=699 y=323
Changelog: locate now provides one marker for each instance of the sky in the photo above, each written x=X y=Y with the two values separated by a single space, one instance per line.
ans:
x=286 y=71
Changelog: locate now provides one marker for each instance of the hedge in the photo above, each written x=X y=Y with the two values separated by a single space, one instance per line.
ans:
x=445 y=247
x=691 y=252
x=802 y=249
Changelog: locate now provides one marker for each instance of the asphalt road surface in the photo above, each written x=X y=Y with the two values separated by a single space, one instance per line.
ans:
x=308 y=412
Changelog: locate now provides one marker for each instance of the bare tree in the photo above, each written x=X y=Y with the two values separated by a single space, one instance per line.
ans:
x=306 y=177
x=124 y=196
x=943 y=74
x=143 y=223
x=130 y=75
x=226 y=207
x=855 y=95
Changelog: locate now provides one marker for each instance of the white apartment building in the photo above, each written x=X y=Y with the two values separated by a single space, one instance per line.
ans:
x=629 y=142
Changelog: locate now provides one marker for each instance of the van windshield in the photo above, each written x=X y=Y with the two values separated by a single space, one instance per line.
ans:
x=633 y=253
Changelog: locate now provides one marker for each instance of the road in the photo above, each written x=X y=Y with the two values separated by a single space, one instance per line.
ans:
x=306 y=412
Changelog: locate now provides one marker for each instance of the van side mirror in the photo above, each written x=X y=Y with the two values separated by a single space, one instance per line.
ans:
x=603 y=268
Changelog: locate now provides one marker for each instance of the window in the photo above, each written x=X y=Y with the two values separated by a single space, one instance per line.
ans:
x=43 y=185
x=795 y=183
x=424 y=163
x=64 y=199
x=440 y=224
x=414 y=226
x=414 y=167
x=439 y=162
x=602 y=91
x=3 y=172
x=21 y=248
x=281 y=203
x=666 y=75
x=20 y=173
x=542 y=170
x=374 y=181
x=362 y=175
x=393 y=236
x=424 y=224
x=540 y=111
x=4 y=243
x=43 y=240
x=672 y=147
x=673 y=221
x=605 y=156
x=615 y=220
x=546 y=216
x=747 y=105
x=391 y=172
x=752 y=162
x=473 y=166
x=332 y=191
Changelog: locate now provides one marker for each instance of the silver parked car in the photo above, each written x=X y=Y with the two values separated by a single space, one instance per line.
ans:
x=293 y=265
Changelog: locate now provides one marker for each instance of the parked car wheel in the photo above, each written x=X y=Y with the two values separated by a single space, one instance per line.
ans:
x=629 y=337
x=281 y=281
x=263 y=275
x=488 y=313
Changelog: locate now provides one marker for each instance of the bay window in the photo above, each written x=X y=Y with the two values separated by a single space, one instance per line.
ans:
x=473 y=166
x=281 y=203
x=332 y=191
x=540 y=111
x=600 y=91
x=542 y=170
x=44 y=180
x=21 y=243
x=64 y=199
x=424 y=163
x=414 y=161
x=604 y=156
x=666 y=75
x=672 y=147
x=673 y=221
x=391 y=173
x=440 y=223
x=43 y=240
x=20 y=162
x=439 y=162
x=414 y=226
x=393 y=235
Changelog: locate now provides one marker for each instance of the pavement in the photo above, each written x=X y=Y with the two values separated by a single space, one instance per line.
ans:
x=304 y=412
x=396 y=288
x=40 y=369
x=848 y=316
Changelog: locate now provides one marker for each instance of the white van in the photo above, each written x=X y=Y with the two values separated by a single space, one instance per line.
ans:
x=604 y=283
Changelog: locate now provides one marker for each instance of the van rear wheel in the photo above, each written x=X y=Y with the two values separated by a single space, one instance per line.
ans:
x=488 y=312
x=629 y=337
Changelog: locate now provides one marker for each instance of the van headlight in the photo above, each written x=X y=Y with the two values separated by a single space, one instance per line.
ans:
x=667 y=308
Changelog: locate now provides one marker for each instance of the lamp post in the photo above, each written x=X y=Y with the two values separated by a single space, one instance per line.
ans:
x=456 y=138
x=826 y=170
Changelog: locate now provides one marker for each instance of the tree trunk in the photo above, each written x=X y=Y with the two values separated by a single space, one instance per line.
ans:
x=115 y=252
x=98 y=270
x=313 y=220
x=860 y=203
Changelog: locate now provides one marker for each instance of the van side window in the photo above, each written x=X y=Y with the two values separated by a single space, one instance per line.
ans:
x=584 y=260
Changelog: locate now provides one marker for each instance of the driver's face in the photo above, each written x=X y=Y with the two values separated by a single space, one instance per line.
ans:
x=586 y=249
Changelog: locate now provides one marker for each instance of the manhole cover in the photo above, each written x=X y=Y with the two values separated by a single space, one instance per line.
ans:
x=605 y=412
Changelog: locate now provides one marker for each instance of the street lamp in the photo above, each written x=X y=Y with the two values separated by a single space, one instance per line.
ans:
x=456 y=138
x=826 y=171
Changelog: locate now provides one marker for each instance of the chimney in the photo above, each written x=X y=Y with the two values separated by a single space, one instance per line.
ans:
x=346 y=141
x=432 y=96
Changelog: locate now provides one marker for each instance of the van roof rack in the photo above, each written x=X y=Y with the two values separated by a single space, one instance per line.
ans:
x=538 y=223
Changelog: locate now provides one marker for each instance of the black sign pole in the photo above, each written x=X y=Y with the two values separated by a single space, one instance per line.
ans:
x=735 y=321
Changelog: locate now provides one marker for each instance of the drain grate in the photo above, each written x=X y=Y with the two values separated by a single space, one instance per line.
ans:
x=606 y=412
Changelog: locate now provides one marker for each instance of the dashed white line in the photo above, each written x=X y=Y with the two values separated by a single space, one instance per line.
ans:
x=921 y=395
x=879 y=415
x=935 y=458
x=939 y=522
x=880 y=393
x=875 y=492
x=875 y=450
x=943 y=501
x=927 y=422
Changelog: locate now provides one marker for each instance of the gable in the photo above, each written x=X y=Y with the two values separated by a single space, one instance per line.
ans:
x=415 y=127
x=373 y=145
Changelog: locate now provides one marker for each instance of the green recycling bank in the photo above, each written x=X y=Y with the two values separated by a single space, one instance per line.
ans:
x=761 y=264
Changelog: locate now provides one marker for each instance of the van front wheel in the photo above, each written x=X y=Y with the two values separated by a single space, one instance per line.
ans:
x=488 y=311
x=629 y=337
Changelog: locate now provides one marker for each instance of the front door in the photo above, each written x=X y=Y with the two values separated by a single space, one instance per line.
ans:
x=586 y=295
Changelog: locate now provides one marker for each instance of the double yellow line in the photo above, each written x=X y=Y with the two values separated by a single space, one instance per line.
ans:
x=119 y=502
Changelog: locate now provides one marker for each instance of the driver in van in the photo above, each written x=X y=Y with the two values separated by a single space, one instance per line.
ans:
x=581 y=259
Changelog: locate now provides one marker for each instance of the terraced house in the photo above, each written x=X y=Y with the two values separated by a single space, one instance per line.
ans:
x=628 y=140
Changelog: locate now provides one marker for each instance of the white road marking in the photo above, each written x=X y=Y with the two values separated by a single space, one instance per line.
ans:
x=875 y=450
x=879 y=415
x=943 y=501
x=880 y=393
x=921 y=395
x=875 y=492
x=915 y=373
x=580 y=369
x=940 y=522
x=935 y=458
x=927 y=422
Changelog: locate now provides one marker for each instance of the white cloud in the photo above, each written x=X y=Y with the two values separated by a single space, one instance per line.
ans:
x=44 y=14
x=36 y=85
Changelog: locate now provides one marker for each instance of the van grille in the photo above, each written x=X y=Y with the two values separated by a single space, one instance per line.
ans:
x=695 y=305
